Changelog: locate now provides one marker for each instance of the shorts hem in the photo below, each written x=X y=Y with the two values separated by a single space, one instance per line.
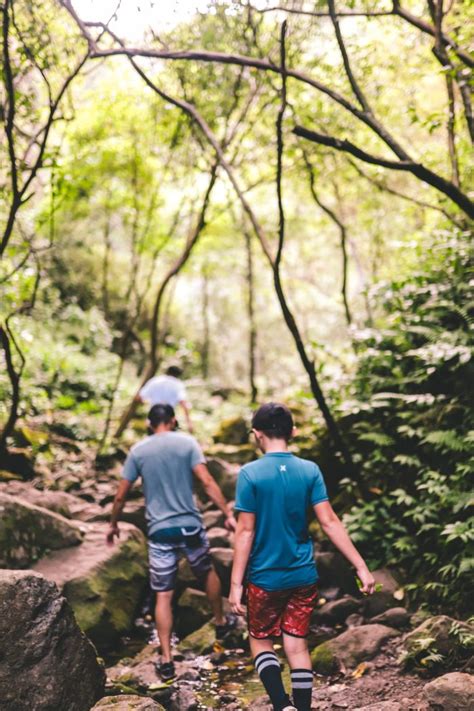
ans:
x=265 y=636
x=293 y=634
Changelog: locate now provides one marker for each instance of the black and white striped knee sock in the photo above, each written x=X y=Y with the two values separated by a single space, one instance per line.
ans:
x=301 y=687
x=268 y=669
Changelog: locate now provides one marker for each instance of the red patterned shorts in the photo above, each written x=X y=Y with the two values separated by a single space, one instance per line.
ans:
x=272 y=612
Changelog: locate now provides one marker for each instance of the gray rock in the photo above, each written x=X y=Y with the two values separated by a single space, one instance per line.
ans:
x=219 y=537
x=213 y=518
x=28 y=531
x=394 y=617
x=128 y=702
x=380 y=601
x=102 y=583
x=337 y=611
x=351 y=647
x=451 y=692
x=382 y=706
x=48 y=663
x=354 y=620
x=184 y=700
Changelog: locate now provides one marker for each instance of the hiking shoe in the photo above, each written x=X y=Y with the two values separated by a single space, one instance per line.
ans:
x=166 y=670
x=229 y=624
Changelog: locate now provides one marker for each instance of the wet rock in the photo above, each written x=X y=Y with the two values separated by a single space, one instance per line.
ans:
x=382 y=706
x=233 y=430
x=193 y=612
x=394 y=617
x=48 y=662
x=351 y=647
x=213 y=519
x=439 y=630
x=199 y=642
x=102 y=583
x=355 y=620
x=337 y=611
x=138 y=673
x=384 y=599
x=219 y=537
x=451 y=692
x=222 y=559
x=28 y=531
x=127 y=702
x=184 y=700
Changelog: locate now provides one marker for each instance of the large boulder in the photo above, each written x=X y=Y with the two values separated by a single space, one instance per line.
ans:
x=387 y=597
x=102 y=583
x=350 y=648
x=200 y=641
x=219 y=537
x=234 y=430
x=46 y=662
x=225 y=475
x=337 y=611
x=28 y=531
x=451 y=692
x=397 y=617
x=232 y=453
x=440 y=635
x=213 y=518
x=57 y=501
x=127 y=702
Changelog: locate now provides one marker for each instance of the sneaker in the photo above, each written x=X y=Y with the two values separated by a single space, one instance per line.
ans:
x=165 y=670
x=229 y=624
x=290 y=708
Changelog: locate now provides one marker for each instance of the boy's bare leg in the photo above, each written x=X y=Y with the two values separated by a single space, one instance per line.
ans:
x=296 y=651
x=164 y=622
x=268 y=669
x=214 y=595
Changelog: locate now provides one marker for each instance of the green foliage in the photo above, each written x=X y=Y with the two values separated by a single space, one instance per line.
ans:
x=412 y=425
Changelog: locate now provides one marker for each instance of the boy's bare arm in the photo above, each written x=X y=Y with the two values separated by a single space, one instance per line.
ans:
x=337 y=534
x=213 y=491
x=243 y=545
x=119 y=502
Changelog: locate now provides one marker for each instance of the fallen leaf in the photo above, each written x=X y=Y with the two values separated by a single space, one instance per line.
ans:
x=399 y=594
x=360 y=670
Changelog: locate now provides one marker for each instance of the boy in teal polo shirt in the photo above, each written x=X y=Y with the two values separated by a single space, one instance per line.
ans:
x=274 y=494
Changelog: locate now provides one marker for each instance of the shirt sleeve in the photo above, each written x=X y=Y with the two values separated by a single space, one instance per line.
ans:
x=245 y=499
x=181 y=392
x=145 y=390
x=318 y=487
x=197 y=455
x=130 y=469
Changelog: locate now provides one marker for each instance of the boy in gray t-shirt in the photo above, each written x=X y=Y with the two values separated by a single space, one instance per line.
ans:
x=166 y=461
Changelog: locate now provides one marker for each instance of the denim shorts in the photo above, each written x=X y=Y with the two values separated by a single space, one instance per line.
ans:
x=164 y=558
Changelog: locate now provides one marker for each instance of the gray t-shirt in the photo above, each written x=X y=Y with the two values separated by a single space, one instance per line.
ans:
x=165 y=462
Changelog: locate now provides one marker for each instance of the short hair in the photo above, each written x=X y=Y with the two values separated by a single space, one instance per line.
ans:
x=160 y=414
x=275 y=420
x=175 y=371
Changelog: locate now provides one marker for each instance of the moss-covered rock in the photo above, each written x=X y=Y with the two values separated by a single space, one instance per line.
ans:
x=102 y=583
x=200 y=641
x=128 y=702
x=193 y=611
x=27 y=532
x=351 y=647
x=438 y=635
x=234 y=430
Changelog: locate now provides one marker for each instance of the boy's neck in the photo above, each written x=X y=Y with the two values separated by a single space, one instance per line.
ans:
x=273 y=446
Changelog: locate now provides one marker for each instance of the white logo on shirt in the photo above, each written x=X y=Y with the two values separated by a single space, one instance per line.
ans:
x=283 y=468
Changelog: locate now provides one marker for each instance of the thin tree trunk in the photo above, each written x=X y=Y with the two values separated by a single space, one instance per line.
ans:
x=205 y=325
x=251 y=318
x=14 y=377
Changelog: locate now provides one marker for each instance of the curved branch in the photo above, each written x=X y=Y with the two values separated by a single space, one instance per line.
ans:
x=420 y=171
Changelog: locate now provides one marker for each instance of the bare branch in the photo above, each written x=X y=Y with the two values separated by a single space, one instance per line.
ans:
x=420 y=171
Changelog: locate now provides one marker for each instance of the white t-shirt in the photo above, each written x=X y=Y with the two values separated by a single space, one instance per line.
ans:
x=163 y=390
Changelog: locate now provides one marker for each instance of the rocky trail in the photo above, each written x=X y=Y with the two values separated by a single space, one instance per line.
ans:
x=368 y=654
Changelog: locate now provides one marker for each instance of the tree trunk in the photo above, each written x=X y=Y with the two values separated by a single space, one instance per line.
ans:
x=251 y=318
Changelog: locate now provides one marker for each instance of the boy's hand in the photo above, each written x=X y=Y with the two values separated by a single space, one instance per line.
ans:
x=111 y=533
x=235 y=599
x=230 y=523
x=367 y=580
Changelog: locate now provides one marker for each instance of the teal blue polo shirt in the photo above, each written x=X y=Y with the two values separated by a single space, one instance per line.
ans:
x=279 y=489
